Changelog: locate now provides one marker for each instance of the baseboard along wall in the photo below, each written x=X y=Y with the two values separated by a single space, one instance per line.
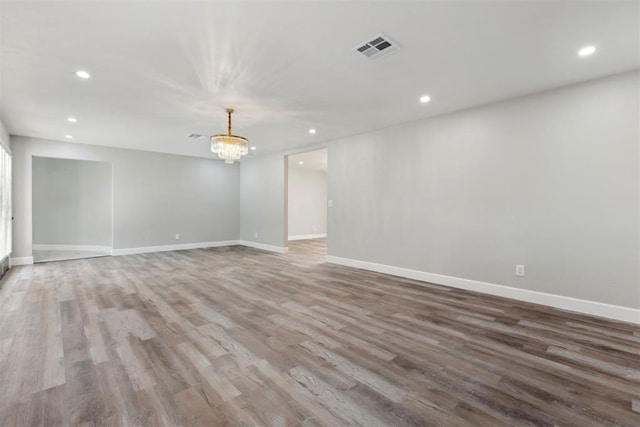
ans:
x=308 y=236
x=264 y=247
x=90 y=248
x=149 y=249
x=27 y=260
x=178 y=247
x=593 y=308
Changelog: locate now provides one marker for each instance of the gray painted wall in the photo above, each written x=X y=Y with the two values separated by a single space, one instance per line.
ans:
x=307 y=197
x=5 y=141
x=154 y=195
x=263 y=200
x=71 y=202
x=550 y=181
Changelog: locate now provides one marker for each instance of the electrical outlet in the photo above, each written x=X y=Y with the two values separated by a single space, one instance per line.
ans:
x=255 y=235
x=520 y=270
x=177 y=236
x=330 y=203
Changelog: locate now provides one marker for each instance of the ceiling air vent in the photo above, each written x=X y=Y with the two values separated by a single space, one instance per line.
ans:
x=194 y=135
x=377 y=47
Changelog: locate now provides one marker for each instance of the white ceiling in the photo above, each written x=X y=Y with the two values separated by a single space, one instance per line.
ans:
x=314 y=160
x=161 y=70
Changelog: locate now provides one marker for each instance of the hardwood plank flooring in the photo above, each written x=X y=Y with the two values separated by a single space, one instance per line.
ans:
x=236 y=336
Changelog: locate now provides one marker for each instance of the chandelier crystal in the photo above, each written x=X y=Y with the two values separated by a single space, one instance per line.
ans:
x=229 y=147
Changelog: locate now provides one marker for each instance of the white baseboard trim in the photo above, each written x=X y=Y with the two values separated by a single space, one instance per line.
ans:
x=308 y=236
x=178 y=247
x=89 y=248
x=25 y=260
x=609 y=311
x=264 y=247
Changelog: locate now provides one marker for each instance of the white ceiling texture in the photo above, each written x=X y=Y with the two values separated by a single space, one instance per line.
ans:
x=162 y=70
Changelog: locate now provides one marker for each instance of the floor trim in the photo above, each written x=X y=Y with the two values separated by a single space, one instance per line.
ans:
x=25 y=260
x=609 y=311
x=264 y=247
x=178 y=247
x=91 y=248
x=308 y=236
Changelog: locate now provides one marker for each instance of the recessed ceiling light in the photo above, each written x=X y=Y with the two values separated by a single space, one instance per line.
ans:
x=68 y=136
x=301 y=162
x=312 y=131
x=83 y=74
x=425 y=98
x=253 y=148
x=72 y=119
x=587 y=50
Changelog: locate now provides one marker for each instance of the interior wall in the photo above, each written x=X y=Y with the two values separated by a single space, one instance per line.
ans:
x=155 y=196
x=550 y=181
x=263 y=200
x=5 y=140
x=307 y=200
x=71 y=202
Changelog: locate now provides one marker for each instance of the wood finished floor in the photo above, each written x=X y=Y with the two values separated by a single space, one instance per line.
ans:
x=236 y=336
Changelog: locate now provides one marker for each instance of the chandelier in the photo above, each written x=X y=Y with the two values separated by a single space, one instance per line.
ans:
x=229 y=147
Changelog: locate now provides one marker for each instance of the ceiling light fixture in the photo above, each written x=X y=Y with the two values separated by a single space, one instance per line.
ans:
x=229 y=147
x=72 y=119
x=425 y=98
x=83 y=74
x=301 y=162
x=312 y=131
x=587 y=50
x=68 y=136
x=253 y=148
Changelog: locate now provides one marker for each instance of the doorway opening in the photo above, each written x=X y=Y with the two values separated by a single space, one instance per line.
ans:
x=72 y=209
x=307 y=203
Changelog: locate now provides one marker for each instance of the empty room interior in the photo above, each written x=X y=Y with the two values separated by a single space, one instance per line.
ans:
x=317 y=213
